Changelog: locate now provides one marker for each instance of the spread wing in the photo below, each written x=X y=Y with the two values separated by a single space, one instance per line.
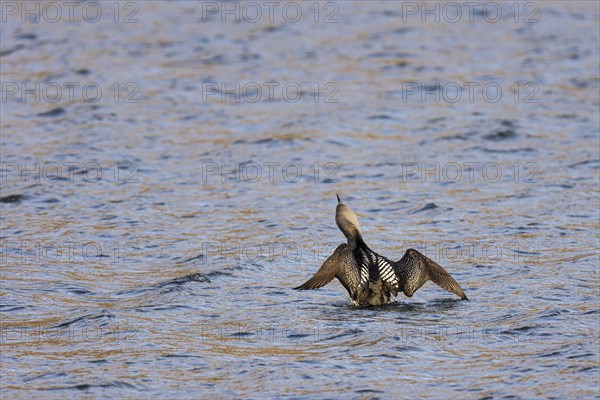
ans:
x=414 y=269
x=341 y=265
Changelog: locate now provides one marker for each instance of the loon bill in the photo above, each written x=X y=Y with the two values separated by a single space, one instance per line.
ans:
x=371 y=279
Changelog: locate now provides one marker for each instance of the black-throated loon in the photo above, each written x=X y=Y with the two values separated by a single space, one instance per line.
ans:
x=369 y=278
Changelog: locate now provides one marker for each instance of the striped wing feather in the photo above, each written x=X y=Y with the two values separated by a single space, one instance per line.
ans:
x=338 y=265
x=388 y=274
x=415 y=269
x=329 y=270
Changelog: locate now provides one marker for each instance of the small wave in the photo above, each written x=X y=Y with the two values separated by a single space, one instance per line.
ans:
x=55 y=112
x=13 y=198
x=87 y=386
x=86 y=317
x=428 y=206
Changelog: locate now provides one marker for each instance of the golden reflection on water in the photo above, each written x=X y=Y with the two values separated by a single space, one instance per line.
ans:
x=189 y=293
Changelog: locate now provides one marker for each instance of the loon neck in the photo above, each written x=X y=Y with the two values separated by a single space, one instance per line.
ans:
x=356 y=241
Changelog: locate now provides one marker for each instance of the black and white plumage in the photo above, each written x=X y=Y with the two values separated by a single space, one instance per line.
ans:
x=370 y=278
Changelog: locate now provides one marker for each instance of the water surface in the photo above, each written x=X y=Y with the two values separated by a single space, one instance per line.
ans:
x=151 y=250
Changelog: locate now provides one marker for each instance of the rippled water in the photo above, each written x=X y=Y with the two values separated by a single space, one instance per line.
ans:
x=150 y=238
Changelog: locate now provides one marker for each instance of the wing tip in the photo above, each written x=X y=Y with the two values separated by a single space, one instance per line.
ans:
x=302 y=287
x=308 y=286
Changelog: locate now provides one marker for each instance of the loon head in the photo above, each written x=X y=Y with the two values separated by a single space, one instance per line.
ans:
x=348 y=223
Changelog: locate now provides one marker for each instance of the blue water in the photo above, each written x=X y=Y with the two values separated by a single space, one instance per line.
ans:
x=154 y=222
